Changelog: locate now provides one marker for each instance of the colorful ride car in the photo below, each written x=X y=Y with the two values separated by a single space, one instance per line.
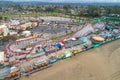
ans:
x=75 y=52
x=41 y=63
x=52 y=59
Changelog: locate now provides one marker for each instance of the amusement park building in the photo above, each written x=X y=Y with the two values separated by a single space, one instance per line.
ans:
x=4 y=30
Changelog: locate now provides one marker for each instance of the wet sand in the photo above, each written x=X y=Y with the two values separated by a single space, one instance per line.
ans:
x=101 y=63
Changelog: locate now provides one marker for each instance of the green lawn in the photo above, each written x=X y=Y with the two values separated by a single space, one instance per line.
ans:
x=34 y=14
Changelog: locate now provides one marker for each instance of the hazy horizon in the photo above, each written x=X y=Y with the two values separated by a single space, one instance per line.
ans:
x=70 y=1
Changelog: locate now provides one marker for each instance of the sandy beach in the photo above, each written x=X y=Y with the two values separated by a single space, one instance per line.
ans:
x=101 y=63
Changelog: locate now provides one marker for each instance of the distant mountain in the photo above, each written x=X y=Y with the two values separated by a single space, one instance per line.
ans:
x=12 y=3
x=6 y=3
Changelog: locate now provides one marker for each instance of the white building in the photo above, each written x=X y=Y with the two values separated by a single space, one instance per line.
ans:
x=14 y=22
x=4 y=31
x=2 y=56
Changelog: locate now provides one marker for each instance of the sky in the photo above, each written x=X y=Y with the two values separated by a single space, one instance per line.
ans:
x=70 y=0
